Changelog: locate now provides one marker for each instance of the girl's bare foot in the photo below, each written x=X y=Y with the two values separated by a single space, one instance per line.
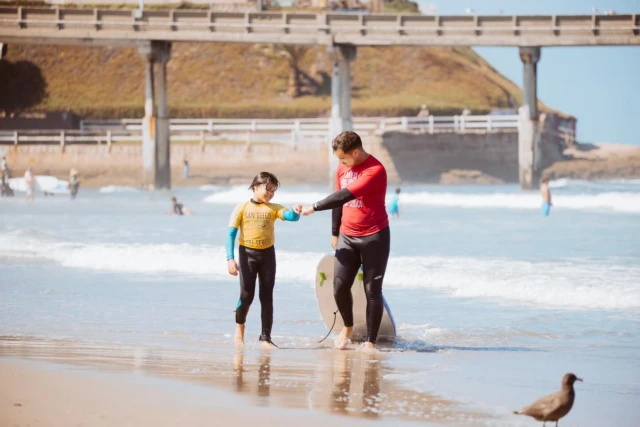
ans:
x=342 y=340
x=239 y=339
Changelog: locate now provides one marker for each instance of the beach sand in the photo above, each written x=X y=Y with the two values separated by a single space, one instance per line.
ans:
x=67 y=383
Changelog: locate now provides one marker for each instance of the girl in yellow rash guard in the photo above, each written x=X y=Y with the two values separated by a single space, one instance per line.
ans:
x=257 y=256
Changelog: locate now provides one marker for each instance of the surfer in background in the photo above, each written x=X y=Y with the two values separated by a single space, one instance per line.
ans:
x=178 y=208
x=545 y=192
x=394 y=208
x=255 y=219
x=360 y=232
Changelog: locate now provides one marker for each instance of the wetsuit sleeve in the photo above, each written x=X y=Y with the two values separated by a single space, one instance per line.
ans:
x=236 y=216
x=336 y=220
x=336 y=214
x=334 y=200
x=284 y=213
x=290 y=215
x=369 y=180
x=231 y=242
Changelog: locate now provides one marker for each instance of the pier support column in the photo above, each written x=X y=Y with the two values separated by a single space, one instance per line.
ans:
x=163 y=141
x=340 y=120
x=155 y=124
x=528 y=134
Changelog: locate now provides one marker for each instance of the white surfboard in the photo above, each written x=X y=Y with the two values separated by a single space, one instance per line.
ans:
x=327 y=305
x=47 y=183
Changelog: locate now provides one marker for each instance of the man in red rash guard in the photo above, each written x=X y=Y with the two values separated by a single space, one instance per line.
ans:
x=360 y=230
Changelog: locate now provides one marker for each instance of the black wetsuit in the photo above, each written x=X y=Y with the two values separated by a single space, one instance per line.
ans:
x=372 y=252
x=177 y=209
x=261 y=264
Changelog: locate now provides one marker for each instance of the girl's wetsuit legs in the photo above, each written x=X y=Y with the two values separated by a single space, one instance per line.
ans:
x=267 y=277
x=257 y=263
x=373 y=253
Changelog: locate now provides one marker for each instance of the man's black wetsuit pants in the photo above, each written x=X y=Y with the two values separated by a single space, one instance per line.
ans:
x=260 y=263
x=372 y=252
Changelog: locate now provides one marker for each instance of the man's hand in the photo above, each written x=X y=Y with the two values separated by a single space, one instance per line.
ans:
x=297 y=209
x=307 y=210
x=334 y=241
x=233 y=267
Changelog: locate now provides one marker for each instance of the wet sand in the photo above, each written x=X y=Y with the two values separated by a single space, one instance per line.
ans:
x=46 y=382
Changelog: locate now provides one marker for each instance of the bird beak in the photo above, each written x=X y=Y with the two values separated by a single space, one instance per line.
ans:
x=579 y=379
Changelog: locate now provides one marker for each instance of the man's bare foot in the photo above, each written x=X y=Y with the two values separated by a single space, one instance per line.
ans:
x=342 y=340
x=369 y=347
x=267 y=345
x=239 y=339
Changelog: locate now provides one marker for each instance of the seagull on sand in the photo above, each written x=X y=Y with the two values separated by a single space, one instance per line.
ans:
x=553 y=406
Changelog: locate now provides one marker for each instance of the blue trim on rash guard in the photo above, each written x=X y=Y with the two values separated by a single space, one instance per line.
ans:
x=231 y=241
x=290 y=215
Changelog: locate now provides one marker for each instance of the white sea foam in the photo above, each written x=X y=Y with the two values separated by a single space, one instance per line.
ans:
x=628 y=202
x=118 y=189
x=603 y=283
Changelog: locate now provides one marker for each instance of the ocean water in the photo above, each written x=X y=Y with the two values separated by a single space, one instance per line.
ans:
x=493 y=302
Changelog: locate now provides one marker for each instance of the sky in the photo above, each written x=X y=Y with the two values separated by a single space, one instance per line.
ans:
x=600 y=86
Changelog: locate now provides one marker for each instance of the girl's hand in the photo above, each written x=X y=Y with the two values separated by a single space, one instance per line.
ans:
x=233 y=267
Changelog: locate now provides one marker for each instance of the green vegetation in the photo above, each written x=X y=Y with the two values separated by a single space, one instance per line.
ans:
x=242 y=80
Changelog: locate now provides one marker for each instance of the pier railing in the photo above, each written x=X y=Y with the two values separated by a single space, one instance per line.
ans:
x=281 y=131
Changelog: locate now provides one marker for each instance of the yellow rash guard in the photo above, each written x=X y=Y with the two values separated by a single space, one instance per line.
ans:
x=255 y=221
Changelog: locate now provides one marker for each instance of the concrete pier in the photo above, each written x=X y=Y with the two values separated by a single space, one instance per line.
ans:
x=529 y=135
x=155 y=124
x=341 y=119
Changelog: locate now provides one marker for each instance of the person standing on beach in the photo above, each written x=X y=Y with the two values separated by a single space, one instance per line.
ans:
x=30 y=184
x=185 y=169
x=255 y=219
x=545 y=192
x=360 y=232
x=74 y=183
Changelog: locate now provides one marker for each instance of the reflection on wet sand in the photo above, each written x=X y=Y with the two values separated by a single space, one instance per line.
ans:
x=350 y=383
x=264 y=376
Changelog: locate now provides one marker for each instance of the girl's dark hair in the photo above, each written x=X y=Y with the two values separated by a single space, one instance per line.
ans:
x=264 y=178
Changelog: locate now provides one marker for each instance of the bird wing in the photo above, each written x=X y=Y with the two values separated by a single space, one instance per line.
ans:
x=542 y=407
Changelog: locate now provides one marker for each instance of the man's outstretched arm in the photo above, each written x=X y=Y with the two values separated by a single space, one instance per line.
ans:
x=334 y=200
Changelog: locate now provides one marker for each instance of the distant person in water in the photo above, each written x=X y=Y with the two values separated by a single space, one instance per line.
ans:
x=545 y=192
x=394 y=209
x=74 y=183
x=178 y=208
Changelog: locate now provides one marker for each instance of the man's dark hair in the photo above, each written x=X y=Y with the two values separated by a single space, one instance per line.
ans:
x=265 y=178
x=347 y=141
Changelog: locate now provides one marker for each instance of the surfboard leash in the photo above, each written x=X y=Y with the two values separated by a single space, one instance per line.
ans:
x=335 y=316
